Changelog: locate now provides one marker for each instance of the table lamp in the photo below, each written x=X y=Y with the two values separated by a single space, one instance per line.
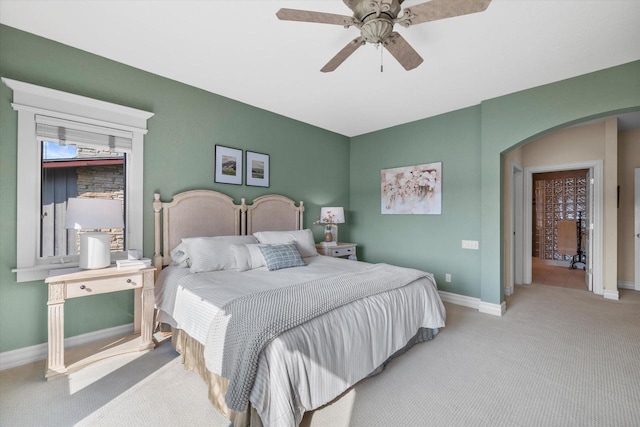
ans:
x=92 y=214
x=330 y=217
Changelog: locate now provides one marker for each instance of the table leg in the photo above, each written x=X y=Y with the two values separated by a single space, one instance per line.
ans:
x=147 y=306
x=55 y=350
x=137 y=310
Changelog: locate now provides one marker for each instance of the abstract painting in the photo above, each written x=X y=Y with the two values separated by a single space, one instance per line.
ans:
x=412 y=190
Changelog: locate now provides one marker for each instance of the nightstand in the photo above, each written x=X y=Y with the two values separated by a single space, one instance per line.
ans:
x=94 y=282
x=341 y=250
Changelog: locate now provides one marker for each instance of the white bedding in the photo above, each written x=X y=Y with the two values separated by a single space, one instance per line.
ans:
x=308 y=366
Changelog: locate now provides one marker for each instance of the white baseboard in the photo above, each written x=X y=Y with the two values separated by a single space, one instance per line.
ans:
x=610 y=294
x=458 y=299
x=34 y=353
x=475 y=303
x=493 y=309
x=626 y=285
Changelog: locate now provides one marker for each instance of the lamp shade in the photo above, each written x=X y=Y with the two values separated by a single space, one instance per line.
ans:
x=332 y=215
x=87 y=214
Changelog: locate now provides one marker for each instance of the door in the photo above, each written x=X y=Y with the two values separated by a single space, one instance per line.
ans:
x=637 y=226
x=517 y=200
x=588 y=277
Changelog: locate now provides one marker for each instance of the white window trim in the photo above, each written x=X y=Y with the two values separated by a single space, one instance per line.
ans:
x=29 y=100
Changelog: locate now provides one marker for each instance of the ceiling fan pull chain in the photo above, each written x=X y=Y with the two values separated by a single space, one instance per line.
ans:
x=381 y=63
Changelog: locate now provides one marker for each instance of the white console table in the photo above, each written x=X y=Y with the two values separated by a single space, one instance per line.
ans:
x=93 y=282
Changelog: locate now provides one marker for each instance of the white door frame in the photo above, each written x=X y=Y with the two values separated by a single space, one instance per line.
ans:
x=517 y=229
x=595 y=217
x=589 y=237
x=637 y=226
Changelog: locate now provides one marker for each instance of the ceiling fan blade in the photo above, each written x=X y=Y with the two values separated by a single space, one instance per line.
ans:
x=343 y=54
x=402 y=51
x=318 y=17
x=440 y=9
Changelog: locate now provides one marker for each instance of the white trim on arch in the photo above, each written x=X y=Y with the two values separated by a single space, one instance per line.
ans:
x=596 y=217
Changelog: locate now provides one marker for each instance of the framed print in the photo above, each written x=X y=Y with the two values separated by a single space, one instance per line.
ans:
x=413 y=190
x=257 y=169
x=228 y=168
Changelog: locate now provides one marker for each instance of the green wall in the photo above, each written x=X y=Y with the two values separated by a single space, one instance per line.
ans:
x=179 y=152
x=429 y=242
x=469 y=142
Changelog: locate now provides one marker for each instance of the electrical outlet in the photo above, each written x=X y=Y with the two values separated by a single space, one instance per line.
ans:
x=447 y=278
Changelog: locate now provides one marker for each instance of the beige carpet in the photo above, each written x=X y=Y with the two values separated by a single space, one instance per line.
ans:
x=559 y=357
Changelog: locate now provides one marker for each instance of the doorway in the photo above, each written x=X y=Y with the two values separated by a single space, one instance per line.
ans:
x=591 y=276
x=560 y=216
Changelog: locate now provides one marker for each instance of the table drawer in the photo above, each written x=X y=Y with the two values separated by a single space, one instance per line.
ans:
x=337 y=252
x=82 y=288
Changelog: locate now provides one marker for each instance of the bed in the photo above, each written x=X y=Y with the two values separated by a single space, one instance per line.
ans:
x=272 y=327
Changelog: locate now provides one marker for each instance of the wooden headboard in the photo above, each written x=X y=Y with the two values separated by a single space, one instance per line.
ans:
x=205 y=213
x=274 y=213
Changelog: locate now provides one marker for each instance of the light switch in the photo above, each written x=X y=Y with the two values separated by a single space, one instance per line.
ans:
x=470 y=244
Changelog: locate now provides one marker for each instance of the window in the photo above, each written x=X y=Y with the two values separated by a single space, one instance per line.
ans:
x=72 y=169
x=72 y=146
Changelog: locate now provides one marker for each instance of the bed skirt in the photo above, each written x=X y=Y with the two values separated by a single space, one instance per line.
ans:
x=193 y=359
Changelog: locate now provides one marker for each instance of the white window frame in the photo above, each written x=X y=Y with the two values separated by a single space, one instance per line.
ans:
x=30 y=100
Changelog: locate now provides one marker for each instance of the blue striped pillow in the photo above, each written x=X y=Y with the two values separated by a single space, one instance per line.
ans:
x=281 y=256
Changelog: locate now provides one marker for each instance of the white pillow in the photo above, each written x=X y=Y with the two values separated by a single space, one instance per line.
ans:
x=213 y=253
x=302 y=238
x=247 y=257
x=179 y=256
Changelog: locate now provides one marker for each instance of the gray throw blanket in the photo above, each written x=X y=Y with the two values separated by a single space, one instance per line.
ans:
x=244 y=326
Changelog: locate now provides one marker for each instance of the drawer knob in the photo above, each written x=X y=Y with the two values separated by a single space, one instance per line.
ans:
x=128 y=280
x=83 y=287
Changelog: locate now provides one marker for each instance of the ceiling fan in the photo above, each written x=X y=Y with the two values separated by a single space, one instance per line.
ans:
x=376 y=18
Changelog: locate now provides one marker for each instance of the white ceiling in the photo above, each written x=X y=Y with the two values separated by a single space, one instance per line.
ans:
x=239 y=49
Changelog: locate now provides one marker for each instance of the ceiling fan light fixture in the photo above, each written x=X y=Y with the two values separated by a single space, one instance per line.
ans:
x=364 y=8
x=376 y=18
x=376 y=30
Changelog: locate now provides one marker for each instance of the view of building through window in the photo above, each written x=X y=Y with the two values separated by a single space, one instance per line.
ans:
x=75 y=170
